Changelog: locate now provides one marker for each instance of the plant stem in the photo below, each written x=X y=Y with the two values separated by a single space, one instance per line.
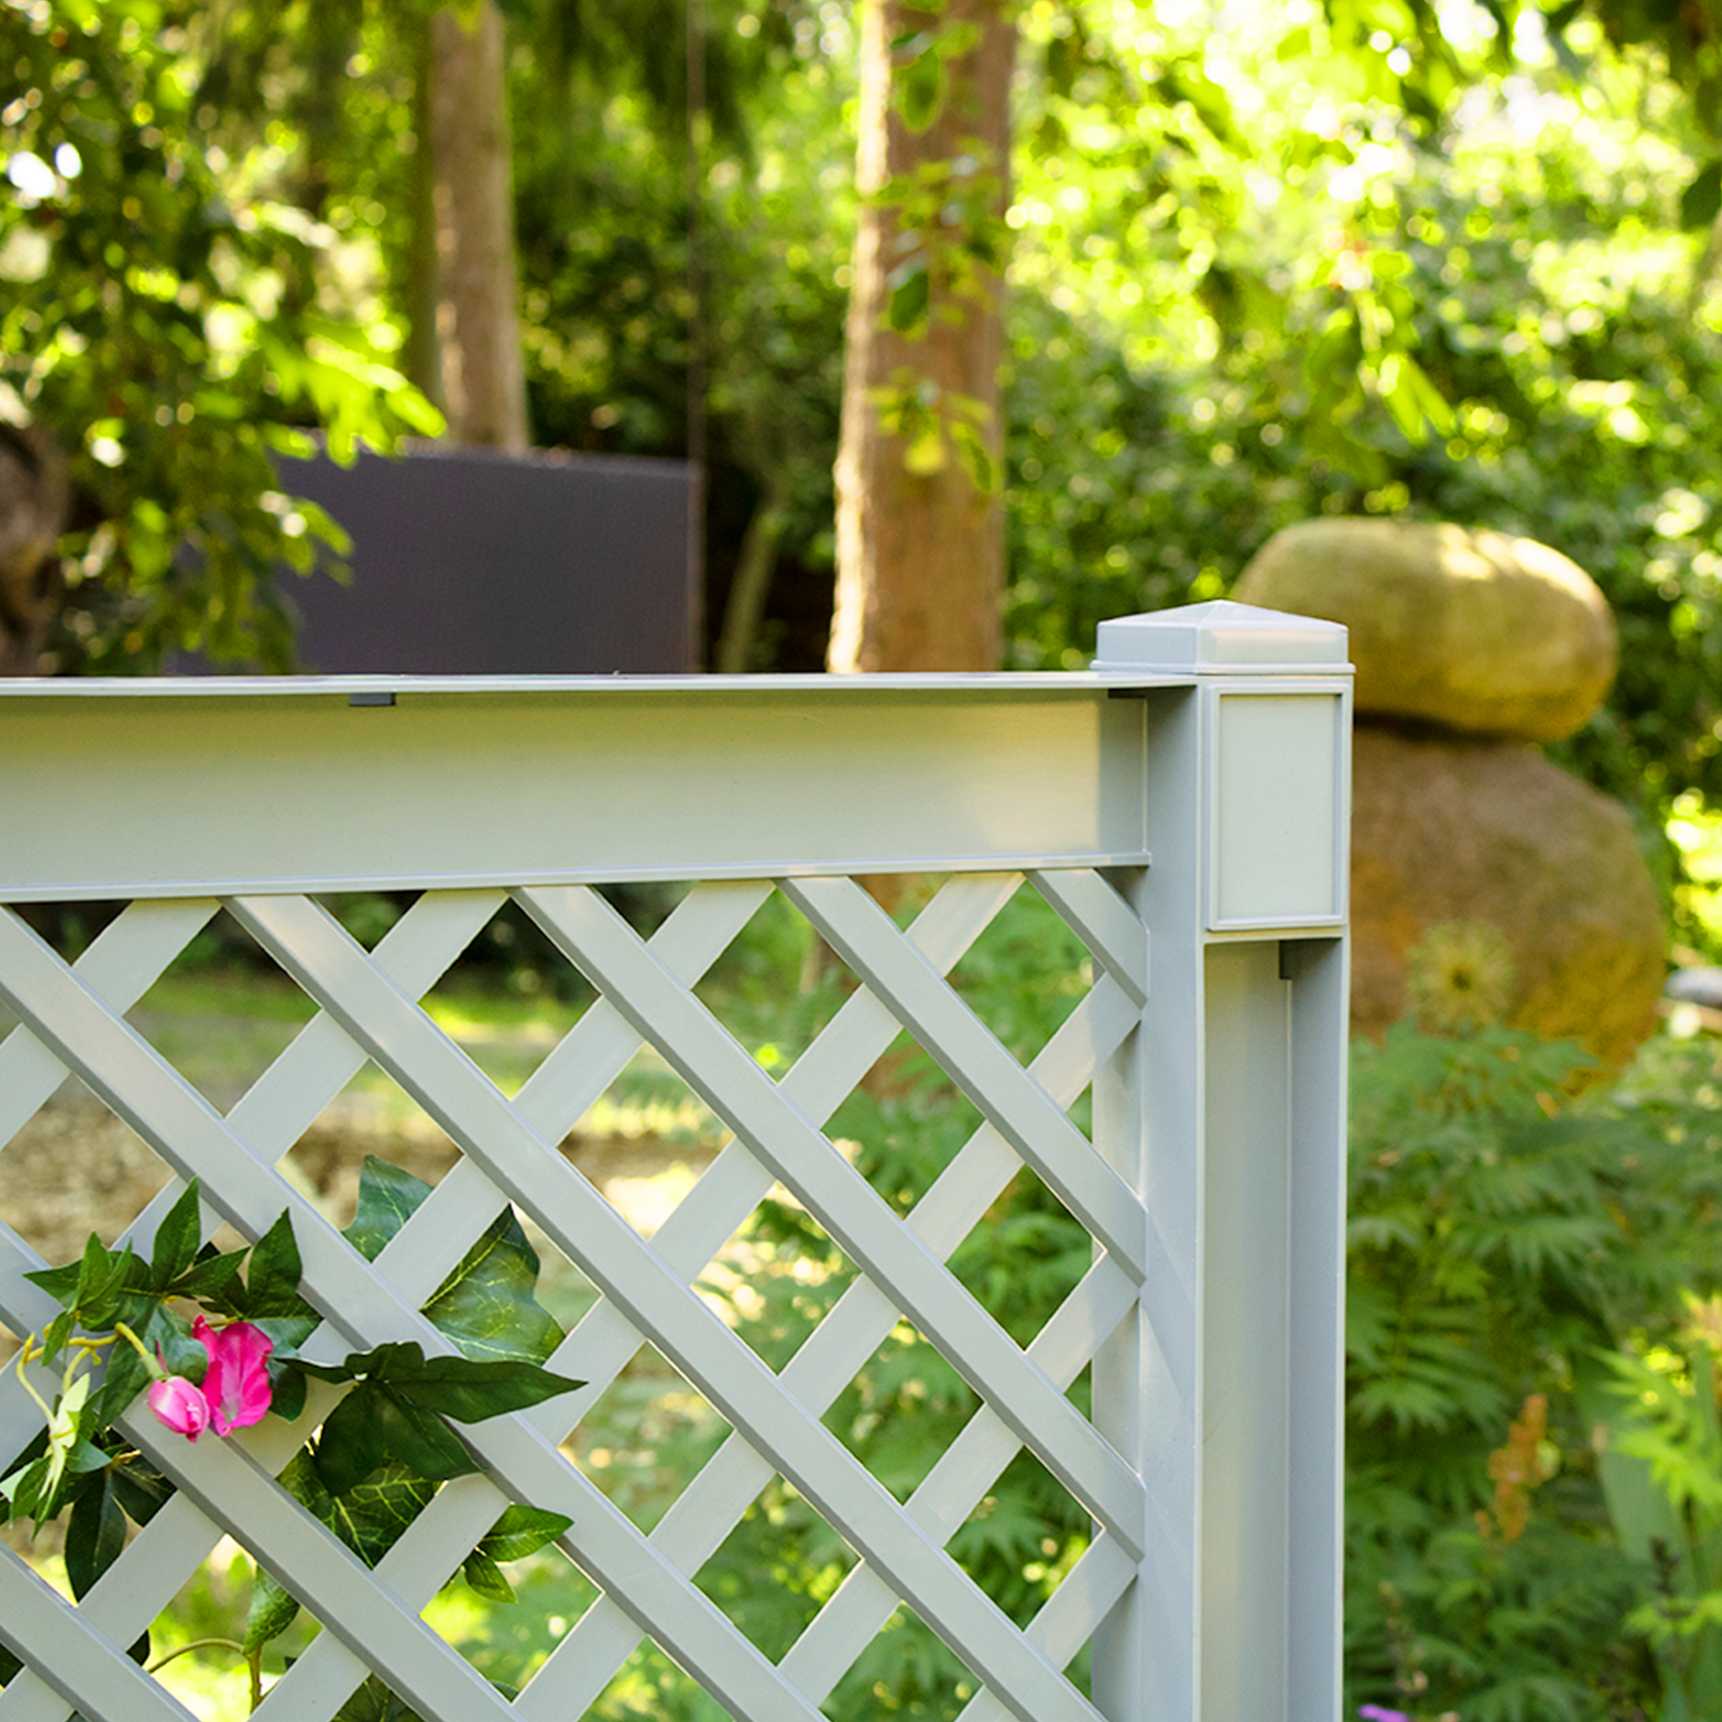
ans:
x=26 y=1353
x=254 y=1665
x=143 y=1351
x=196 y=1644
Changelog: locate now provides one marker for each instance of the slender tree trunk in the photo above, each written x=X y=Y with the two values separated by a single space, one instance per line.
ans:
x=478 y=313
x=748 y=591
x=920 y=553
x=422 y=290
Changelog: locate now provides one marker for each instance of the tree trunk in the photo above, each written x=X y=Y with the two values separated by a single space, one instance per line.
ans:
x=920 y=553
x=35 y=495
x=478 y=313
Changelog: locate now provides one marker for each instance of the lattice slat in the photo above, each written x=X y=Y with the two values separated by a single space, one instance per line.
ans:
x=123 y=962
x=1070 y=1617
x=1104 y=922
x=87 y=1670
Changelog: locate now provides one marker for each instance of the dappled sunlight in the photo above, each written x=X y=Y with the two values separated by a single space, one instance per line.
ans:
x=729 y=1135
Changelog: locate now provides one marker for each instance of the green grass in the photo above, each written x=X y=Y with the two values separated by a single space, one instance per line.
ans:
x=221 y=1027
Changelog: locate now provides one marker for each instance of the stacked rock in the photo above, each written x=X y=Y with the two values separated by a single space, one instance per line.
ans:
x=1487 y=884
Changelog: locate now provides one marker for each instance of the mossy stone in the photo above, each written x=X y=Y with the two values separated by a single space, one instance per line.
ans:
x=1477 y=866
x=1474 y=630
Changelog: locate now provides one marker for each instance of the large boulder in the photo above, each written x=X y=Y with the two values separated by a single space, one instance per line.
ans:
x=1488 y=884
x=1475 y=631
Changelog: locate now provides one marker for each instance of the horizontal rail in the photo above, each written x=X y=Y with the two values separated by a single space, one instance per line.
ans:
x=342 y=687
x=156 y=796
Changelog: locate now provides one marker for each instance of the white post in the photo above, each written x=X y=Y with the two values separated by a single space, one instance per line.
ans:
x=1228 y=1111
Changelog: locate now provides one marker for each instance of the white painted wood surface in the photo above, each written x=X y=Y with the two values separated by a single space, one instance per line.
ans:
x=1184 y=809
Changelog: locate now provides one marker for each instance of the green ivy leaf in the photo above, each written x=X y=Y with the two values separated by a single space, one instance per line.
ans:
x=373 y=1427
x=486 y=1577
x=211 y=1275
x=523 y=1531
x=374 y=1702
x=372 y=1516
x=488 y=1305
x=169 y=1335
x=388 y=1198
x=466 y=1389
x=272 y=1610
x=272 y=1279
x=113 y=1285
x=369 y=1518
x=95 y=1268
x=86 y=1457
x=60 y=1283
x=23 y=1488
x=287 y=1393
x=95 y=1534
x=178 y=1238
x=140 y=1489
x=350 y=1446
x=57 y=1332
x=419 y=1439
x=289 y=1332
x=125 y=1377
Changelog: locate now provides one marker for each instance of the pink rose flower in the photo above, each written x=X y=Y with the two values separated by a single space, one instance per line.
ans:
x=1375 y=1713
x=236 y=1385
x=179 y=1405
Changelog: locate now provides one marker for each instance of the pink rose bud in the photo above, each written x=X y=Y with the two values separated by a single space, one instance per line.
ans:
x=179 y=1405
x=236 y=1384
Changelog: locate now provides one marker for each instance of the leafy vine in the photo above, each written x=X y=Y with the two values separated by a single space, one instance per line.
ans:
x=211 y=1342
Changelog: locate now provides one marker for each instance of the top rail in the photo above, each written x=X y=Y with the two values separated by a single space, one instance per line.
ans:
x=216 y=786
x=188 y=793
x=335 y=687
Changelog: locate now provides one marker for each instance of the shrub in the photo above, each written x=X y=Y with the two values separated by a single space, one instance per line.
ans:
x=1503 y=1241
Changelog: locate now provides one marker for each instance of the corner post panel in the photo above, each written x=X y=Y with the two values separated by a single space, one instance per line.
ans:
x=1227 y=1112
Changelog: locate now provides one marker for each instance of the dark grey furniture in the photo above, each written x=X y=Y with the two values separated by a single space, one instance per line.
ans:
x=468 y=562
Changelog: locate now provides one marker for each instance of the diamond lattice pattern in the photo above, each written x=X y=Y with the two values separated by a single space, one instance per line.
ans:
x=73 y=1020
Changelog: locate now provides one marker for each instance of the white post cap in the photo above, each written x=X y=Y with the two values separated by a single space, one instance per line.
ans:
x=1223 y=637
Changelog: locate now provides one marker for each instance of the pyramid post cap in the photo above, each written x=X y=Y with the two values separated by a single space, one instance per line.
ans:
x=1223 y=637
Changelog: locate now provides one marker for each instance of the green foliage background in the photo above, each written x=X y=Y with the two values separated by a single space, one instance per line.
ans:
x=1363 y=256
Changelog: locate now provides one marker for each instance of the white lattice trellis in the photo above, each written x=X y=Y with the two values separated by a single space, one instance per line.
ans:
x=1217 y=1102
